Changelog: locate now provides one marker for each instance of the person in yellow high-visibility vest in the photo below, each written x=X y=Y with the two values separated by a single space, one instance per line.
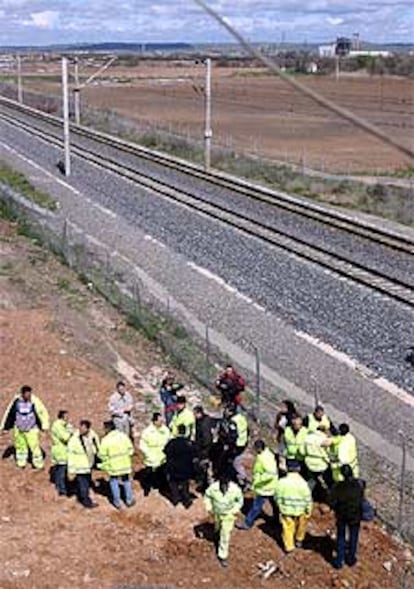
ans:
x=115 y=455
x=265 y=476
x=224 y=499
x=183 y=416
x=294 y=440
x=317 y=419
x=153 y=440
x=60 y=433
x=294 y=500
x=346 y=452
x=317 y=461
x=240 y=445
x=27 y=417
x=82 y=450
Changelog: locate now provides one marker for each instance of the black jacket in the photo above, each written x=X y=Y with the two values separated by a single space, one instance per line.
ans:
x=346 y=501
x=180 y=455
x=204 y=436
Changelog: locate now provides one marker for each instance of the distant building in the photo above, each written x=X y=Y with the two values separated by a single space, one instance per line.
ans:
x=369 y=53
x=327 y=50
x=343 y=46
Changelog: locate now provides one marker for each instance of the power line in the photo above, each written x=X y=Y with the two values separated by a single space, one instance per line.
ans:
x=318 y=98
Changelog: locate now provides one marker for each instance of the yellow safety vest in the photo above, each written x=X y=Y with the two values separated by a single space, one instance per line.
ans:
x=313 y=423
x=152 y=443
x=60 y=434
x=242 y=429
x=294 y=443
x=316 y=455
x=293 y=495
x=115 y=453
x=184 y=417
x=265 y=474
x=40 y=409
x=78 y=459
x=346 y=452
x=227 y=504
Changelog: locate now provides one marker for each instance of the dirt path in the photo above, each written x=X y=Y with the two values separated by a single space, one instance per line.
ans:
x=66 y=342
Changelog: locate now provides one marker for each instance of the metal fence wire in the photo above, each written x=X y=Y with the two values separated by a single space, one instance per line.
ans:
x=116 y=278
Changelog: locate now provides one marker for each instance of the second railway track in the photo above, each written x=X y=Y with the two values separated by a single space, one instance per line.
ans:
x=390 y=286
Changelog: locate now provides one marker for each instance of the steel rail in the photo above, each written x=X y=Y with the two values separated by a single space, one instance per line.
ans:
x=320 y=213
x=356 y=272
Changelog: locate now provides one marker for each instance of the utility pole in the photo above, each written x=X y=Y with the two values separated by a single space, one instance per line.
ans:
x=19 y=80
x=66 y=137
x=337 y=67
x=76 y=92
x=208 y=133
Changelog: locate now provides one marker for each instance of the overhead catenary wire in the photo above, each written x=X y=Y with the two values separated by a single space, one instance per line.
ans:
x=316 y=96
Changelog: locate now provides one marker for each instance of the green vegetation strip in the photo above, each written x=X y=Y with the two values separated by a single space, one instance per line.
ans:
x=21 y=184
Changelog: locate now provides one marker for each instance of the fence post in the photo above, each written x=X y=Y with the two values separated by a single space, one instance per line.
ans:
x=137 y=299
x=402 y=482
x=65 y=254
x=258 y=385
x=207 y=356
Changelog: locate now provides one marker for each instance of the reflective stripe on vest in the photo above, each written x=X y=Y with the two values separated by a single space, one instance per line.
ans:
x=242 y=429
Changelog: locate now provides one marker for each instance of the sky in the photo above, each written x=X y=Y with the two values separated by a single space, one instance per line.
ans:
x=40 y=22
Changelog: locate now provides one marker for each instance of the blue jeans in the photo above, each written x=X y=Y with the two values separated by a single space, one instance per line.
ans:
x=115 y=485
x=342 y=554
x=59 y=478
x=257 y=507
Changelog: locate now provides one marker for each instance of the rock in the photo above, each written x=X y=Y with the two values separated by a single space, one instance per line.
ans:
x=5 y=519
x=387 y=566
x=407 y=555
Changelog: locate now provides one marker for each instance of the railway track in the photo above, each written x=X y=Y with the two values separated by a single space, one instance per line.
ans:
x=339 y=264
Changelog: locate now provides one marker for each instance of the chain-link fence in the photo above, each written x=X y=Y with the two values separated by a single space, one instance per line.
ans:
x=160 y=318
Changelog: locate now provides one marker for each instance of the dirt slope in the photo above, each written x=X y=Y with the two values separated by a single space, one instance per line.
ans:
x=56 y=335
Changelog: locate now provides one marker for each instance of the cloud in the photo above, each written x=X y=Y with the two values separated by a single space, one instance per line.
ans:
x=48 y=19
x=51 y=21
x=337 y=20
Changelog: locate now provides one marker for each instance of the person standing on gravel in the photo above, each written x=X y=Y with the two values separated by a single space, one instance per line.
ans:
x=224 y=499
x=115 y=455
x=120 y=407
x=346 y=501
x=27 y=417
x=82 y=450
x=230 y=385
x=153 y=440
x=185 y=417
x=179 y=468
x=168 y=395
x=60 y=432
x=265 y=477
x=294 y=500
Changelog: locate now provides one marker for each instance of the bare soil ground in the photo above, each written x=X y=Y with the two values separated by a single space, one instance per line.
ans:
x=255 y=112
x=58 y=336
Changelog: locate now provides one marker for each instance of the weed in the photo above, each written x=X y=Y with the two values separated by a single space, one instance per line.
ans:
x=20 y=184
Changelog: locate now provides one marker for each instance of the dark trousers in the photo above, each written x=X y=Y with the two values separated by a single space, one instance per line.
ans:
x=344 y=555
x=201 y=474
x=179 y=490
x=59 y=478
x=83 y=482
x=152 y=478
x=257 y=507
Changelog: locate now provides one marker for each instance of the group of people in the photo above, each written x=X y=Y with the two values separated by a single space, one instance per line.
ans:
x=313 y=460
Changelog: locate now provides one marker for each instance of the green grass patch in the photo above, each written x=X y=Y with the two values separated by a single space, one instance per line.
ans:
x=21 y=184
